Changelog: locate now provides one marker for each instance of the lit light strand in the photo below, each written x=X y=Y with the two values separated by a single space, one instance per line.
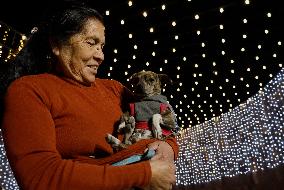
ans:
x=247 y=139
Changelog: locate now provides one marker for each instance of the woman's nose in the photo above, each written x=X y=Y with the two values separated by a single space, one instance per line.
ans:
x=99 y=54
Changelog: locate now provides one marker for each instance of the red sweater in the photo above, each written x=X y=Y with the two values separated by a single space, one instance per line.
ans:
x=52 y=125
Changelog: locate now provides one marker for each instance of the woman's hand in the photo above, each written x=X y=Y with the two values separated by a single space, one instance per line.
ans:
x=163 y=150
x=162 y=167
x=163 y=175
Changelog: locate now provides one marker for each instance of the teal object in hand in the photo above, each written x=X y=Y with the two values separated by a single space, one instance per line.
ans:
x=136 y=158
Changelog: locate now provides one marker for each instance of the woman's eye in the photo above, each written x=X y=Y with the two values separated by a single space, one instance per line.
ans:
x=91 y=43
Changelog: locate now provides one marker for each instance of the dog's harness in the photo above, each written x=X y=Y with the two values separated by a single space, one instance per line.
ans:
x=143 y=111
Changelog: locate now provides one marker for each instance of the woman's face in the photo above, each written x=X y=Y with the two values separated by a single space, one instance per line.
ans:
x=80 y=58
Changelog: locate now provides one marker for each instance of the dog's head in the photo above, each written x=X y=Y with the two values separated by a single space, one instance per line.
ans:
x=148 y=83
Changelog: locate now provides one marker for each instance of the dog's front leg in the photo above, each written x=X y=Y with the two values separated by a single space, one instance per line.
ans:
x=156 y=127
x=129 y=129
x=113 y=141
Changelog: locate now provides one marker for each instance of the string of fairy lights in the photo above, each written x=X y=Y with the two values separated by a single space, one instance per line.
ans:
x=7 y=179
x=227 y=131
x=206 y=83
x=245 y=140
x=197 y=64
x=11 y=42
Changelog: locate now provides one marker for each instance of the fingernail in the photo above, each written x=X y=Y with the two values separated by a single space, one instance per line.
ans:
x=146 y=150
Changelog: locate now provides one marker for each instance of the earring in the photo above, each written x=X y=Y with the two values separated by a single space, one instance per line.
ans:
x=34 y=30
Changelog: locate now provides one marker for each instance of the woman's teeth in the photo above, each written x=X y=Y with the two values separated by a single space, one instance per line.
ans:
x=92 y=66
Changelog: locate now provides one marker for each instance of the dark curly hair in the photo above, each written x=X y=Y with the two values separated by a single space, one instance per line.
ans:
x=64 y=21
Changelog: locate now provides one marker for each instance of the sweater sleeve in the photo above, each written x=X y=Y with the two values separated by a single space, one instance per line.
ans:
x=30 y=142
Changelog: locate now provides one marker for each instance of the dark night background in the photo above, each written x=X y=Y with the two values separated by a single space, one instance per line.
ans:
x=219 y=83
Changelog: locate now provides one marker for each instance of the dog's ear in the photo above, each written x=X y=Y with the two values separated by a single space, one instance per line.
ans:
x=165 y=79
x=133 y=79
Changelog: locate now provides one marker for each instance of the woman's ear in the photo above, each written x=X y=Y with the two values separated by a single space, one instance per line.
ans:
x=55 y=50
x=54 y=47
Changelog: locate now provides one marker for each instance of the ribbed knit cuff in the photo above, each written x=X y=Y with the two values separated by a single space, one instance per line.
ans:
x=146 y=172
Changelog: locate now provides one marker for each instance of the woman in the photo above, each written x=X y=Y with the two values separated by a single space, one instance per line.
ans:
x=57 y=113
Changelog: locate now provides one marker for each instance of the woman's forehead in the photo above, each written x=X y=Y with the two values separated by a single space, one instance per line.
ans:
x=91 y=29
x=93 y=25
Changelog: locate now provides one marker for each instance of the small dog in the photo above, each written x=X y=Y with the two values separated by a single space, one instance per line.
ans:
x=151 y=116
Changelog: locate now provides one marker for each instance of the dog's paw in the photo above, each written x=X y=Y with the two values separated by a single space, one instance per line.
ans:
x=131 y=120
x=156 y=128
x=108 y=138
x=158 y=134
x=112 y=140
x=121 y=126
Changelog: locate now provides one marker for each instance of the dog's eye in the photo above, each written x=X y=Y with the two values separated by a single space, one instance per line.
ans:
x=151 y=79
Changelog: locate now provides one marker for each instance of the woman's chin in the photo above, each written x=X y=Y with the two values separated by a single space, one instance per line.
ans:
x=90 y=79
